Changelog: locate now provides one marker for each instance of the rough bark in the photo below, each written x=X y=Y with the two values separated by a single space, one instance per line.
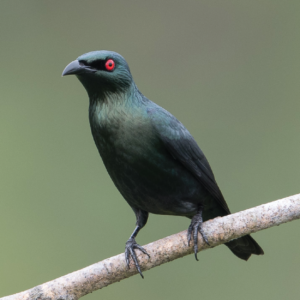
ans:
x=219 y=231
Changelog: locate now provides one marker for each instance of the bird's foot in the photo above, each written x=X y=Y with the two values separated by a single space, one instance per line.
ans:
x=194 y=228
x=130 y=253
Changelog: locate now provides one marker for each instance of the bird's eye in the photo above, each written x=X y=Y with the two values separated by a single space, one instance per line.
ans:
x=110 y=65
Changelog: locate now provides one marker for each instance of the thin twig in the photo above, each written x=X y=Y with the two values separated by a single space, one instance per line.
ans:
x=219 y=231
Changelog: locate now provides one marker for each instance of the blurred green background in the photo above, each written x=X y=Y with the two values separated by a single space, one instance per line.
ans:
x=229 y=70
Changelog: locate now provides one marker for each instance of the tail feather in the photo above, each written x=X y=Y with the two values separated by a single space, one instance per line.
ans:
x=245 y=246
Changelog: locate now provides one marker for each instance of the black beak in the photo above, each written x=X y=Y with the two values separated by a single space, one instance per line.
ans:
x=75 y=68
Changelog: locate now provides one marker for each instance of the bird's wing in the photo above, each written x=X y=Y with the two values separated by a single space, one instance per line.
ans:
x=183 y=148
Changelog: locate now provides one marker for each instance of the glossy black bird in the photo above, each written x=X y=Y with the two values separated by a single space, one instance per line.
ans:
x=151 y=157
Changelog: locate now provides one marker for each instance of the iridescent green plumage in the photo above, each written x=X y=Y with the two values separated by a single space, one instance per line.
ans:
x=151 y=157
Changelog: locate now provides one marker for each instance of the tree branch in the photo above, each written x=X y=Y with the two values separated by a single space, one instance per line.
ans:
x=219 y=230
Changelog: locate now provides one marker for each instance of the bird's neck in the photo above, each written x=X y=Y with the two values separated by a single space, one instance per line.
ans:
x=108 y=111
x=105 y=97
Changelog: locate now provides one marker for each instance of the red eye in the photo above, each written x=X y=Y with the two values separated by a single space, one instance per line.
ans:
x=110 y=65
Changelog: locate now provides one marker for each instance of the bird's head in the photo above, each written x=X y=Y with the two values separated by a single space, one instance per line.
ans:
x=101 y=72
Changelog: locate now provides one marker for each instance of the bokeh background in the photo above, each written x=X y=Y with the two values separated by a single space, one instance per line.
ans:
x=229 y=70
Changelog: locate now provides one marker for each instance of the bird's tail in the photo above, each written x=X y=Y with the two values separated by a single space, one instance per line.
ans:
x=244 y=247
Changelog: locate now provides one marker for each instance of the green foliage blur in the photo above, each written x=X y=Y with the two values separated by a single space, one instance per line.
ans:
x=229 y=70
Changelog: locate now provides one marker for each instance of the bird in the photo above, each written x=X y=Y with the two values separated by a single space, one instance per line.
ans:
x=153 y=160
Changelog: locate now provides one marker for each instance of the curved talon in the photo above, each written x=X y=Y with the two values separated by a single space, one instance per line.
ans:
x=194 y=228
x=189 y=236
x=129 y=252
x=196 y=240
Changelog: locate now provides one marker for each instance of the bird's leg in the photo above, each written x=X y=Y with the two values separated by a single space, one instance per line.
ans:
x=196 y=225
x=131 y=244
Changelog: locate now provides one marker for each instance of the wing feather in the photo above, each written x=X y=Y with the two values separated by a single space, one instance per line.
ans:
x=183 y=148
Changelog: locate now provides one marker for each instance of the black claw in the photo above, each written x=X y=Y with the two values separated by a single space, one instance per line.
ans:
x=142 y=249
x=130 y=253
x=204 y=236
x=194 y=228
x=189 y=235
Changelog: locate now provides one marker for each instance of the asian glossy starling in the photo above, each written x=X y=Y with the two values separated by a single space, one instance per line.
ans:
x=151 y=157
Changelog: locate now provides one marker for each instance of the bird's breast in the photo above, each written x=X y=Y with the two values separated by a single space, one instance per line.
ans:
x=121 y=131
x=145 y=173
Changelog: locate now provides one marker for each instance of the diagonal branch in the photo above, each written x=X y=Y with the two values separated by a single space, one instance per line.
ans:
x=219 y=230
